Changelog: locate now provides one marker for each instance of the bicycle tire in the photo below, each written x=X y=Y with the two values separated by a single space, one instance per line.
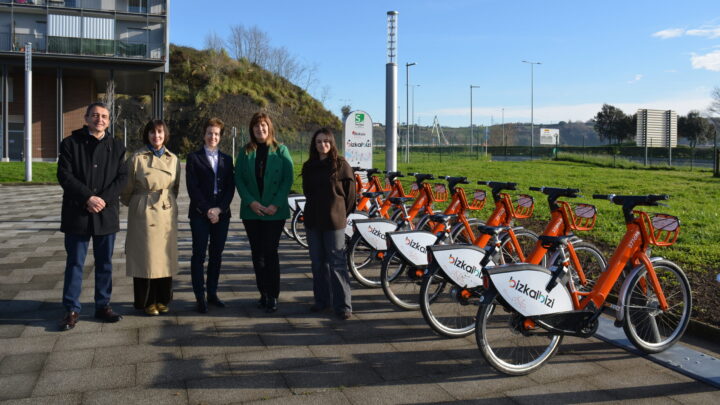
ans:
x=288 y=232
x=527 y=240
x=649 y=328
x=458 y=234
x=363 y=262
x=447 y=314
x=298 y=229
x=593 y=263
x=399 y=281
x=503 y=345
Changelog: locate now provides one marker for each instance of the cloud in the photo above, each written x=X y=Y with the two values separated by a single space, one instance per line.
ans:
x=636 y=79
x=709 y=61
x=706 y=31
x=710 y=32
x=669 y=33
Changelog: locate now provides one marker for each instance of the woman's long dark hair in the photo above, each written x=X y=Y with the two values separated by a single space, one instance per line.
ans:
x=333 y=159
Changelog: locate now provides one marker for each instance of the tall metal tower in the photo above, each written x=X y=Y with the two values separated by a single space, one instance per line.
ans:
x=391 y=93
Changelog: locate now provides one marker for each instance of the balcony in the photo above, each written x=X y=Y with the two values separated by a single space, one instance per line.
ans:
x=154 y=7
x=82 y=46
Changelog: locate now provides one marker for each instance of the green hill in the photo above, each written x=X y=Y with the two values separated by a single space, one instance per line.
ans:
x=204 y=83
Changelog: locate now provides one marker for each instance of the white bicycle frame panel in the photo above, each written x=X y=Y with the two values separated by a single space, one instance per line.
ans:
x=523 y=286
x=349 y=230
x=461 y=263
x=412 y=246
x=373 y=231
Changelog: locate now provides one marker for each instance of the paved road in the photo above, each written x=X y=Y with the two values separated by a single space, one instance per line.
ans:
x=242 y=355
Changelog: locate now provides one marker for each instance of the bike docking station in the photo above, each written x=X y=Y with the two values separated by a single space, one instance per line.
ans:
x=684 y=360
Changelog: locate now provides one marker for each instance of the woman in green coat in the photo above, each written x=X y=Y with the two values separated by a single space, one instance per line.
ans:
x=263 y=177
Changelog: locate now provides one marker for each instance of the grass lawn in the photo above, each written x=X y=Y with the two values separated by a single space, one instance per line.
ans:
x=14 y=172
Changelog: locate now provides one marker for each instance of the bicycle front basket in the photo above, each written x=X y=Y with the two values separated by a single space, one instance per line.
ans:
x=662 y=229
x=478 y=201
x=440 y=192
x=524 y=206
x=581 y=217
x=414 y=190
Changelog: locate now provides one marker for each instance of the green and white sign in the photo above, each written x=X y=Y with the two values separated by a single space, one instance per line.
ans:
x=358 y=139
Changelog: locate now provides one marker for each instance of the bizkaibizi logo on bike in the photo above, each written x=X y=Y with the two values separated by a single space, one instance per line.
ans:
x=467 y=267
x=537 y=295
x=376 y=232
x=415 y=245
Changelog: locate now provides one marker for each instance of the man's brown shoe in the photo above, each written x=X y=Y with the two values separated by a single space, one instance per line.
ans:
x=106 y=314
x=69 y=321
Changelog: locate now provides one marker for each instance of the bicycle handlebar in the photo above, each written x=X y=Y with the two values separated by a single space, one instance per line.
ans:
x=420 y=177
x=554 y=193
x=650 y=199
x=392 y=175
x=498 y=185
x=629 y=202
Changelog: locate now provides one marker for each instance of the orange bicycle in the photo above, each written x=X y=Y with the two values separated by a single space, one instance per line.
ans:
x=526 y=309
x=404 y=264
x=367 y=246
x=449 y=300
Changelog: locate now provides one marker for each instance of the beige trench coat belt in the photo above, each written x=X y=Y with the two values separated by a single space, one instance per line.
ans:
x=155 y=197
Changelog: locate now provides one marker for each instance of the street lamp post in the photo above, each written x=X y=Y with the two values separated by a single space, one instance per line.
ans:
x=532 y=107
x=503 y=132
x=471 y=116
x=412 y=113
x=407 y=110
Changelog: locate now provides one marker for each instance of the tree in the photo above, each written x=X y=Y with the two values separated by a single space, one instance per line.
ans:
x=612 y=124
x=694 y=128
x=214 y=42
x=345 y=110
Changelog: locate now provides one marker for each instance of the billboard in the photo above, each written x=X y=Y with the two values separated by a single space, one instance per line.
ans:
x=549 y=136
x=358 y=139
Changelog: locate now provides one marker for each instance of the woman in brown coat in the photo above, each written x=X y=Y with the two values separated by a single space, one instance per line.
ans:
x=329 y=188
x=151 y=243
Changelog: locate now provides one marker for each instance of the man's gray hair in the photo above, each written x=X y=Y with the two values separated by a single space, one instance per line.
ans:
x=96 y=104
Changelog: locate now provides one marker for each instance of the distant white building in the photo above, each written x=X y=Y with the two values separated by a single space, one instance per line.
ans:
x=656 y=128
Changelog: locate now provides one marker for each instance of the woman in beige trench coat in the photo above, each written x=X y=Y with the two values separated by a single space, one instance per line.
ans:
x=151 y=243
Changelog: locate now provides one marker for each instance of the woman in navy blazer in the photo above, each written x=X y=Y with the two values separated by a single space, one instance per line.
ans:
x=211 y=186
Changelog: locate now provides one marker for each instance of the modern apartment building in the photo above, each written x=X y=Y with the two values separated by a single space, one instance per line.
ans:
x=78 y=47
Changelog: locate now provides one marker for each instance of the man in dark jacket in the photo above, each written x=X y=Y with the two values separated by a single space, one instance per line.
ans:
x=92 y=173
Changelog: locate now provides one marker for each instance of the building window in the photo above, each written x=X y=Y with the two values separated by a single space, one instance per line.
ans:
x=137 y=6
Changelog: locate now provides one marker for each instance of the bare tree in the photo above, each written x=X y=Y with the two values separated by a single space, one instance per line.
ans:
x=253 y=44
x=324 y=94
x=214 y=42
x=109 y=100
x=258 y=46
x=237 y=43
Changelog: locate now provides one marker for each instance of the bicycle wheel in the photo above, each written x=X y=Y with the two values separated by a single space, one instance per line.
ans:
x=646 y=325
x=526 y=239
x=363 y=262
x=593 y=263
x=288 y=232
x=400 y=282
x=505 y=344
x=298 y=229
x=460 y=235
x=444 y=309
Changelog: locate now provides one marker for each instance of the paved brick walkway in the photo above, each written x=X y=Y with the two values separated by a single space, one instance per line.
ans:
x=240 y=354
